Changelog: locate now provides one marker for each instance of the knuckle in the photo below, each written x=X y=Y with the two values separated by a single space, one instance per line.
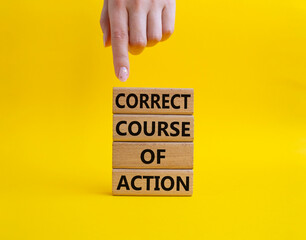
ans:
x=137 y=4
x=157 y=4
x=168 y=31
x=139 y=43
x=155 y=37
x=118 y=3
x=170 y=2
x=119 y=35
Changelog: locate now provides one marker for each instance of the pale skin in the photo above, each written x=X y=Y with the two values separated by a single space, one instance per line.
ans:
x=133 y=25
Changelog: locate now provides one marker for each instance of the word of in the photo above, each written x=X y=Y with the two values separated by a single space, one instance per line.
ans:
x=152 y=155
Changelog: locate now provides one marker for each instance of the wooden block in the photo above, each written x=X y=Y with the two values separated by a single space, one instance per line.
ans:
x=152 y=182
x=153 y=100
x=177 y=155
x=153 y=128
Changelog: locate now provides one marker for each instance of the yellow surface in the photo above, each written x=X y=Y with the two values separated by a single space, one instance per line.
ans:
x=246 y=61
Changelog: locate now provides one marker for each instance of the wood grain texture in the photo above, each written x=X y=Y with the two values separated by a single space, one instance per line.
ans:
x=153 y=100
x=166 y=182
x=177 y=128
x=174 y=155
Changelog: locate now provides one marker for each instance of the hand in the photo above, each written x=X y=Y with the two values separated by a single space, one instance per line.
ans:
x=132 y=25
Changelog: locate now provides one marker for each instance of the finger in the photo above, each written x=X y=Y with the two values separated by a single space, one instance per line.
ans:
x=168 y=19
x=138 y=31
x=119 y=37
x=104 y=22
x=154 y=28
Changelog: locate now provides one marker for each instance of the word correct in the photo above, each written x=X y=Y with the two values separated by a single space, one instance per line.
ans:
x=153 y=100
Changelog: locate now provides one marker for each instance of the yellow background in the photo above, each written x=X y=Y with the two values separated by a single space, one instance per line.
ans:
x=246 y=61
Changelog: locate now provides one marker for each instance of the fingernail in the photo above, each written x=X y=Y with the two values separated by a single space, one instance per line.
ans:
x=104 y=39
x=123 y=74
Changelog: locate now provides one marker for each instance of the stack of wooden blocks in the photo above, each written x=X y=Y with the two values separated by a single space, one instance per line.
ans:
x=153 y=132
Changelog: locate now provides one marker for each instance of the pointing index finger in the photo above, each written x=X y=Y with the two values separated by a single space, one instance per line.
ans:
x=119 y=36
